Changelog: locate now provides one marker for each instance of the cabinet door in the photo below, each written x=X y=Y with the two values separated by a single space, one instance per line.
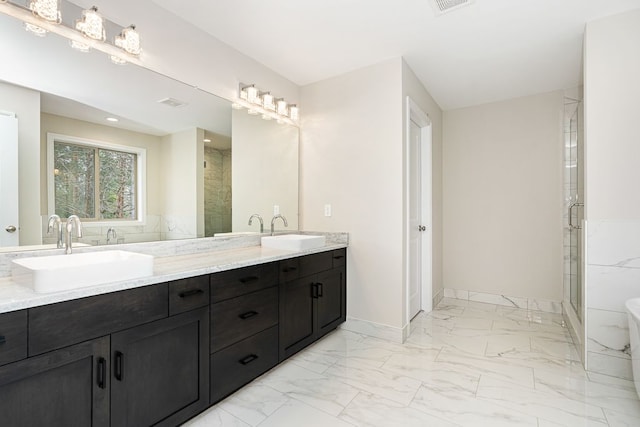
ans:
x=68 y=387
x=331 y=300
x=160 y=371
x=297 y=322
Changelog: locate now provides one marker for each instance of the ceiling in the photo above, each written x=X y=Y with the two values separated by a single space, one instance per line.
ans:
x=486 y=51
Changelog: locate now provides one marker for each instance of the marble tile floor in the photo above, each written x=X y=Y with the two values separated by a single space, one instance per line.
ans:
x=464 y=364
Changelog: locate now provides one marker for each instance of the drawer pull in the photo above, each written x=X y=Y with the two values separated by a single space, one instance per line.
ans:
x=102 y=372
x=249 y=279
x=314 y=290
x=338 y=257
x=289 y=269
x=250 y=358
x=248 y=314
x=119 y=366
x=190 y=293
x=319 y=292
x=3 y=339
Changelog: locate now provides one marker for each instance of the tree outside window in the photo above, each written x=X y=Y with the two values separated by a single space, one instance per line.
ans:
x=94 y=183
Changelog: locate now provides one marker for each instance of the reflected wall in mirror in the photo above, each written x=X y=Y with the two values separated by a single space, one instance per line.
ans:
x=190 y=186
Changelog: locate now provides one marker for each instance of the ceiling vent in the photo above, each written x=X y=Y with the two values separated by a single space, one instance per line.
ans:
x=172 y=102
x=444 y=6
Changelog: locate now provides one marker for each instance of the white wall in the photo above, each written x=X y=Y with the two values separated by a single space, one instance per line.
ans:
x=176 y=48
x=182 y=182
x=264 y=170
x=352 y=158
x=612 y=211
x=26 y=104
x=502 y=186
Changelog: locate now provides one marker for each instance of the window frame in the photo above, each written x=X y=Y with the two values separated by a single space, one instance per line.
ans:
x=141 y=157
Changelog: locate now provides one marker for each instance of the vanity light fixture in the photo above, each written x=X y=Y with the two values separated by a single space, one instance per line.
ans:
x=267 y=101
x=294 y=113
x=88 y=32
x=91 y=24
x=48 y=10
x=263 y=103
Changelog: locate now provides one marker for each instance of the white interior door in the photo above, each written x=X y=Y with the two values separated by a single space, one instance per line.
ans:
x=419 y=195
x=9 y=227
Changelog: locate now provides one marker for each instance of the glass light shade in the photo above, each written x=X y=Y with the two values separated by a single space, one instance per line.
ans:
x=91 y=24
x=267 y=102
x=38 y=31
x=82 y=47
x=49 y=10
x=129 y=40
x=293 y=112
x=252 y=94
x=281 y=107
x=118 y=61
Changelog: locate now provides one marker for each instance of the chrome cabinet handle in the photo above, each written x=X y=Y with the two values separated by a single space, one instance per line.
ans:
x=571 y=226
x=11 y=229
x=422 y=228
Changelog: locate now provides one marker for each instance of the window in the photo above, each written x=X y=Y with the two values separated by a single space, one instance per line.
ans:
x=95 y=180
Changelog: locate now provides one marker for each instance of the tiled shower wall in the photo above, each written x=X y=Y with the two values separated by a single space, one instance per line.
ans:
x=613 y=276
x=217 y=191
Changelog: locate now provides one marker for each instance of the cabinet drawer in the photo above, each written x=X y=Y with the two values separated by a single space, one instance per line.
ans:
x=238 y=318
x=339 y=257
x=312 y=264
x=289 y=269
x=237 y=365
x=188 y=294
x=233 y=283
x=13 y=336
x=62 y=324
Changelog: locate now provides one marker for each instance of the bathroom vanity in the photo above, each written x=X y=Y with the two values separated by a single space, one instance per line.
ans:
x=160 y=353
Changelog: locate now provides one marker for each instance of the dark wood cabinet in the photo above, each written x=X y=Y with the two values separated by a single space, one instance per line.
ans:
x=244 y=327
x=160 y=354
x=13 y=336
x=63 y=388
x=313 y=304
x=160 y=371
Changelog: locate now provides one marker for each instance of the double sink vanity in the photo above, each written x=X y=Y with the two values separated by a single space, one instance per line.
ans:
x=160 y=345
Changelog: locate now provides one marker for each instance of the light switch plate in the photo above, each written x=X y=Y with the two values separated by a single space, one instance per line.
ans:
x=276 y=209
x=327 y=210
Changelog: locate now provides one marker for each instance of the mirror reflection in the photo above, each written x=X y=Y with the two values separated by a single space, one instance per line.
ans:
x=183 y=170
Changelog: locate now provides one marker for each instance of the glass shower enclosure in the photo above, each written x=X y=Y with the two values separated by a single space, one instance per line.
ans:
x=574 y=202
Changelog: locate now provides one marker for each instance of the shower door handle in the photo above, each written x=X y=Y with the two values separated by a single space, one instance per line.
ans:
x=571 y=206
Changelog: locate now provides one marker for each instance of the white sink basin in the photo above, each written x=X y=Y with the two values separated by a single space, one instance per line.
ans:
x=293 y=242
x=63 y=272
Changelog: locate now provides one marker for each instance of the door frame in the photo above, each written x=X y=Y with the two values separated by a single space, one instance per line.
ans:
x=417 y=115
x=10 y=214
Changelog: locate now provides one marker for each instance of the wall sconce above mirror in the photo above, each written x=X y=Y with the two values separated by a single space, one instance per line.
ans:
x=265 y=105
x=85 y=33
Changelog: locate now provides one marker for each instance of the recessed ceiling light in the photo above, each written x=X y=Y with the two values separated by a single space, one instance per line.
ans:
x=206 y=140
x=112 y=119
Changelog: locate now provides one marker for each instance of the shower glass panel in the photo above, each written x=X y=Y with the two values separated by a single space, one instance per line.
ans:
x=574 y=197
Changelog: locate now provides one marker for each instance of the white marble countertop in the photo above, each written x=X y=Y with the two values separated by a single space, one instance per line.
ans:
x=16 y=297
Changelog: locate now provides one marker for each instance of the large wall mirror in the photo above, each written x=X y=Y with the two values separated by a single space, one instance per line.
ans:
x=178 y=163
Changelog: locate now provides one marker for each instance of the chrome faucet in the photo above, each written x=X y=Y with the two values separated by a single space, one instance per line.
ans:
x=111 y=234
x=72 y=221
x=273 y=220
x=55 y=221
x=260 y=219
